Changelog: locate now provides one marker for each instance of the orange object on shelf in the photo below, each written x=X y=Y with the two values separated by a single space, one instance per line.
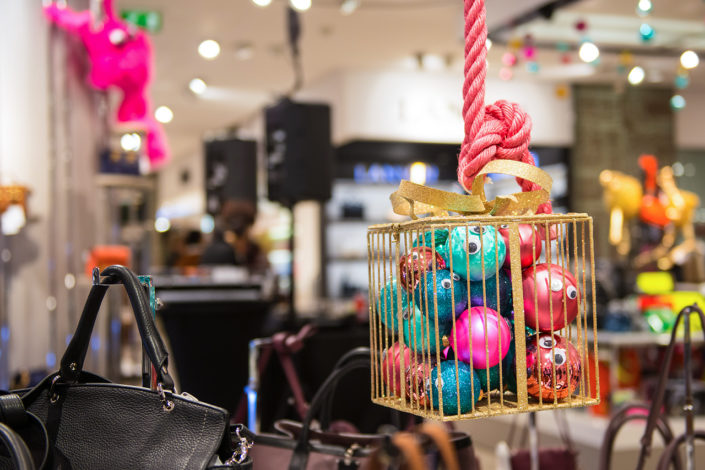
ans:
x=602 y=408
x=103 y=256
x=652 y=211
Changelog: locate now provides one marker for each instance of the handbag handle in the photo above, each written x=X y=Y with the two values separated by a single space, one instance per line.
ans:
x=404 y=445
x=299 y=458
x=440 y=437
x=621 y=418
x=75 y=355
x=19 y=453
x=672 y=449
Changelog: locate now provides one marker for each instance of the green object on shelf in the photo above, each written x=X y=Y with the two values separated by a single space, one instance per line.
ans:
x=148 y=20
x=660 y=319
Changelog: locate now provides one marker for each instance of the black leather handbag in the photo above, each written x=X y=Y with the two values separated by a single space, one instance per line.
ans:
x=94 y=424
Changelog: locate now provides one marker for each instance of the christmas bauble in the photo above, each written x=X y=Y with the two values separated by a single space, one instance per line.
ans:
x=469 y=253
x=388 y=304
x=439 y=236
x=416 y=372
x=546 y=298
x=540 y=362
x=448 y=292
x=478 y=298
x=530 y=244
x=483 y=351
x=449 y=383
x=508 y=373
x=417 y=265
x=420 y=331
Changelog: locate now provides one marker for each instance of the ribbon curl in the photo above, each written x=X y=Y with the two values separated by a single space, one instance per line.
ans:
x=413 y=199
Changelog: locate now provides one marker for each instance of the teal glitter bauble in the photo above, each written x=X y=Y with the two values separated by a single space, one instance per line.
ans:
x=466 y=380
x=388 y=305
x=490 y=294
x=443 y=296
x=418 y=327
x=467 y=250
x=509 y=369
x=441 y=236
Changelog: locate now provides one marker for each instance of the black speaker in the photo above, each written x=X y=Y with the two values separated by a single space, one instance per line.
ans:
x=299 y=152
x=231 y=172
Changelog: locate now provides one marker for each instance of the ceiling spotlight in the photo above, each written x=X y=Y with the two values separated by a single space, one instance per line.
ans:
x=209 y=49
x=689 y=60
x=432 y=62
x=588 y=52
x=197 y=86
x=647 y=32
x=301 y=5
x=677 y=102
x=244 y=51
x=636 y=75
x=163 y=114
x=261 y=3
x=347 y=7
x=130 y=142
x=644 y=7
x=162 y=224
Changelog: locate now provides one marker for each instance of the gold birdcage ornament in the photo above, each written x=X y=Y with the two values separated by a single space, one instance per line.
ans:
x=484 y=313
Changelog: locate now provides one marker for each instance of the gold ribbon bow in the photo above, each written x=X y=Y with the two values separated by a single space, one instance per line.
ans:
x=415 y=199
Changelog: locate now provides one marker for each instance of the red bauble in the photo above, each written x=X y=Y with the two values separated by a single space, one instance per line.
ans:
x=540 y=361
x=416 y=372
x=543 y=299
x=530 y=244
x=413 y=265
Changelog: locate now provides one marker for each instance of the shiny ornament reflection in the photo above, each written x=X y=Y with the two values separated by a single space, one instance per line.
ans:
x=554 y=301
x=417 y=265
x=469 y=342
x=540 y=362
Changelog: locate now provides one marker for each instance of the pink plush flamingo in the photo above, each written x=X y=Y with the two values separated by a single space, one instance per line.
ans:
x=121 y=57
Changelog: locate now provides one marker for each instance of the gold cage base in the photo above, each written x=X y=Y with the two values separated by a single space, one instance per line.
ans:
x=483 y=409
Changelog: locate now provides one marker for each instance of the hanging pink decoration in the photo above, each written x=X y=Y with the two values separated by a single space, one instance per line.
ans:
x=509 y=59
x=529 y=52
x=120 y=57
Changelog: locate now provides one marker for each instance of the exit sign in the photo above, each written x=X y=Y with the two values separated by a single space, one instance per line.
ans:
x=145 y=19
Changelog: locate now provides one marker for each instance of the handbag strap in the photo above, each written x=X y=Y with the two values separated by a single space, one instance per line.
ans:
x=19 y=453
x=299 y=458
x=293 y=429
x=74 y=357
x=657 y=402
x=361 y=353
x=403 y=445
x=672 y=449
x=625 y=415
x=439 y=435
x=27 y=425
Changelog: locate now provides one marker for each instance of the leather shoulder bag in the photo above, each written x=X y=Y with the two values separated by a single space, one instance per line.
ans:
x=94 y=424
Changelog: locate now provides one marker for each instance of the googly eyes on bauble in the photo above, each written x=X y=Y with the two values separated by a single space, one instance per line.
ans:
x=477 y=230
x=439 y=383
x=473 y=246
x=445 y=283
x=571 y=292
x=117 y=37
x=456 y=277
x=559 y=357
x=405 y=314
x=384 y=355
x=415 y=255
x=546 y=342
x=504 y=226
x=556 y=285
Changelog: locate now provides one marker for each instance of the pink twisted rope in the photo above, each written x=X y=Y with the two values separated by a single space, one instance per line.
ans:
x=498 y=131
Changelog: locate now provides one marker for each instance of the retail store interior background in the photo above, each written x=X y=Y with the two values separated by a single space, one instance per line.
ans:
x=288 y=126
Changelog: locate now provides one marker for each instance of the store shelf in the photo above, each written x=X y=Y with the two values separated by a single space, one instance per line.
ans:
x=638 y=338
x=347 y=259
x=124 y=181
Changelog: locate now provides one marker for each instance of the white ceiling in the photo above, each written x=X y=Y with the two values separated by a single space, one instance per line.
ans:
x=369 y=38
